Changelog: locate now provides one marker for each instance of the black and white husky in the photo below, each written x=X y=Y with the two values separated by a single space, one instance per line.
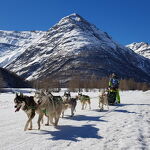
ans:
x=28 y=105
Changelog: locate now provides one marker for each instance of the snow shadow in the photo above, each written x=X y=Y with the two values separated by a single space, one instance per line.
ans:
x=73 y=133
x=121 y=105
x=98 y=110
x=85 y=118
x=124 y=111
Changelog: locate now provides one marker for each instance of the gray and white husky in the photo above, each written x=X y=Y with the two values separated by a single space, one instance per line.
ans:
x=28 y=105
x=84 y=99
x=69 y=102
x=52 y=105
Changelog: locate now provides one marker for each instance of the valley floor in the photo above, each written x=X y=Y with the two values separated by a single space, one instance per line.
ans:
x=122 y=127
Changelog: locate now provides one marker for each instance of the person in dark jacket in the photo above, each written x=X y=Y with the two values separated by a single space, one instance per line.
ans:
x=114 y=85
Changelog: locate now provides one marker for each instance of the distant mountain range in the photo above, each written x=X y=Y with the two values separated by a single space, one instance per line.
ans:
x=72 y=47
x=14 y=43
x=141 y=48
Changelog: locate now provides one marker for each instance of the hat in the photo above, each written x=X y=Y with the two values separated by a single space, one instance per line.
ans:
x=114 y=75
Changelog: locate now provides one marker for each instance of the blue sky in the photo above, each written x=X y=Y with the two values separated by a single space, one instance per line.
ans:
x=126 y=21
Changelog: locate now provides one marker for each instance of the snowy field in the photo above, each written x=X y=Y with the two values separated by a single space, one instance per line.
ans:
x=123 y=127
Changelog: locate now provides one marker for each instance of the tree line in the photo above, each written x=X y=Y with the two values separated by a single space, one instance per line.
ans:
x=8 y=78
x=12 y=80
x=92 y=82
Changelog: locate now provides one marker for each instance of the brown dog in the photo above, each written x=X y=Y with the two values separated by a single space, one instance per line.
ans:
x=103 y=100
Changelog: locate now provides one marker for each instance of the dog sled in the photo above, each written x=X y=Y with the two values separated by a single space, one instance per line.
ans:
x=111 y=96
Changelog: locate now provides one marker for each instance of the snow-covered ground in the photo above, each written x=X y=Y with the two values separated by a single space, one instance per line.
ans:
x=123 y=127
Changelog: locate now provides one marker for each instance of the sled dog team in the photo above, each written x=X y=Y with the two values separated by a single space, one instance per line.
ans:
x=45 y=104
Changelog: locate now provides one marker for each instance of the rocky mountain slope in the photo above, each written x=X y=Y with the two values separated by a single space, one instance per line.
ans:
x=141 y=48
x=14 y=43
x=74 y=47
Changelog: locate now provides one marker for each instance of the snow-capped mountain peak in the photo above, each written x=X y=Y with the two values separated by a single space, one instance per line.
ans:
x=141 y=48
x=80 y=31
x=73 y=16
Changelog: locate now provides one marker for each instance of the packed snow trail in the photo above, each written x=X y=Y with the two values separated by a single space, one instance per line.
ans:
x=122 y=127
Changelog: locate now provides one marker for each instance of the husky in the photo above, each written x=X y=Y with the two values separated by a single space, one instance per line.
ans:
x=52 y=105
x=84 y=99
x=103 y=100
x=69 y=102
x=28 y=105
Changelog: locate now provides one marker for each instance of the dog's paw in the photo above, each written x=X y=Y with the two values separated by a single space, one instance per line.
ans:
x=55 y=125
x=101 y=109
x=46 y=124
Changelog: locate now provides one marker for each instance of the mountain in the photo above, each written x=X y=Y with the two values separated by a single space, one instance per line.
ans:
x=74 y=47
x=14 y=43
x=141 y=48
x=11 y=80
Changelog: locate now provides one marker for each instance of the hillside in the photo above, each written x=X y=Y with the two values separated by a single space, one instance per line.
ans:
x=14 y=43
x=74 y=47
x=11 y=80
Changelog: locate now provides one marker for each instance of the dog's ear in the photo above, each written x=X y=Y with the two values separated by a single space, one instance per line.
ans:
x=16 y=94
x=80 y=93
x=21 y=94
x=45 y=92
x=42 y=92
